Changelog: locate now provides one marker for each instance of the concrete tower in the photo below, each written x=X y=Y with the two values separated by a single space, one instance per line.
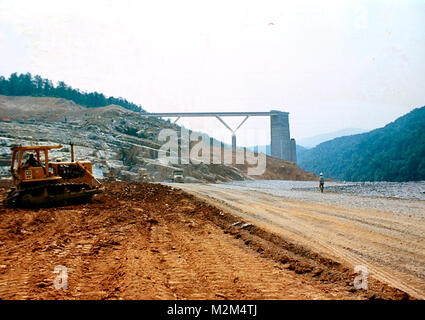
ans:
x=293 y=151
x=282 y=146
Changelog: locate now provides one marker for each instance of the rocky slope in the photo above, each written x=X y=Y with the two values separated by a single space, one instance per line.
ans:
x=119 y=142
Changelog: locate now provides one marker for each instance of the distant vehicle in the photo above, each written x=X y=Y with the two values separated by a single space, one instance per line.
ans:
x=178 y=176
x=144 y=175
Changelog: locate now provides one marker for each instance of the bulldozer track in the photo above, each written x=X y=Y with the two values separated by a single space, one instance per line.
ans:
x=15 y=198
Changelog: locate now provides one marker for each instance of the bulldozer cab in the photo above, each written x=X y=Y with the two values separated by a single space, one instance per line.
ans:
x=31 y=164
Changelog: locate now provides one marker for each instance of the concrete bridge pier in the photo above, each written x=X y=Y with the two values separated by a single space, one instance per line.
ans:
x=233 y=142
x=231 y=130
x=282 y=146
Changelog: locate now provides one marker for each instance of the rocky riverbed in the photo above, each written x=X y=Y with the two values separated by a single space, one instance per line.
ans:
x=404 y=197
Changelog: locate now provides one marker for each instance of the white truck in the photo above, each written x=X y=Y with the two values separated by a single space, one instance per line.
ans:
x=178 y=176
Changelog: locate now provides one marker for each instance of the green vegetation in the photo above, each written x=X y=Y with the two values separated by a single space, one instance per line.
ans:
x=27 y=85
x=395 y=152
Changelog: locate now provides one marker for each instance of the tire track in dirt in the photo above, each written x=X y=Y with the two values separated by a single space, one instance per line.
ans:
x=149 y=241
x=226 y=268
x=334 y=232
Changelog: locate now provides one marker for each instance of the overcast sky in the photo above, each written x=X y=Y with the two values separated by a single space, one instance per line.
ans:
x=331 y=64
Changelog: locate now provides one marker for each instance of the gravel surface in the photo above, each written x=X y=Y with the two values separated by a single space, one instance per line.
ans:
x=402 y=198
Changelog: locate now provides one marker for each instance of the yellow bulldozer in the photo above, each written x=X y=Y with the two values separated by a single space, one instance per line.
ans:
x=37 y=181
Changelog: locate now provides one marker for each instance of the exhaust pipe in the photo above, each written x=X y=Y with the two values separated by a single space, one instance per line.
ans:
x=72 y=152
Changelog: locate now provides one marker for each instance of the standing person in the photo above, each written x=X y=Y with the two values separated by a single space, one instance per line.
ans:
x=321 y=182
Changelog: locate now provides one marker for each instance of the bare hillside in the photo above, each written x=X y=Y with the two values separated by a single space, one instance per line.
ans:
x=118 y=141
x=39 y=108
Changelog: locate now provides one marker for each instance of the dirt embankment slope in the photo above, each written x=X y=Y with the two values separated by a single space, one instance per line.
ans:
x=277 y=169
x=37 y=108
x=149 y=241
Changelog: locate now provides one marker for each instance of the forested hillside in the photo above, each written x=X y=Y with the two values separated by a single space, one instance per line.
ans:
x=395 y=152
x=27 y=85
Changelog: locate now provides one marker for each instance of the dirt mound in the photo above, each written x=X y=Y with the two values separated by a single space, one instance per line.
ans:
x=277 y=169
x=51 y=109
x=149 y=241
x=37 y=108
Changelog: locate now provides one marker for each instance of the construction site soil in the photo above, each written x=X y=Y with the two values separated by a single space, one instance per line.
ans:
x=150 y=241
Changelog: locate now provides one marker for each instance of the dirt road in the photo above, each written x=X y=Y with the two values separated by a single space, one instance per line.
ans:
x=391 y=245
x=148 y=241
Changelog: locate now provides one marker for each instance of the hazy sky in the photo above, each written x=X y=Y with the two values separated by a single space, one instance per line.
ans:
x=331 y=64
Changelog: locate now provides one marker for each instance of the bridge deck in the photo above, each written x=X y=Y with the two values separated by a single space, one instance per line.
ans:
x=212 y=114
